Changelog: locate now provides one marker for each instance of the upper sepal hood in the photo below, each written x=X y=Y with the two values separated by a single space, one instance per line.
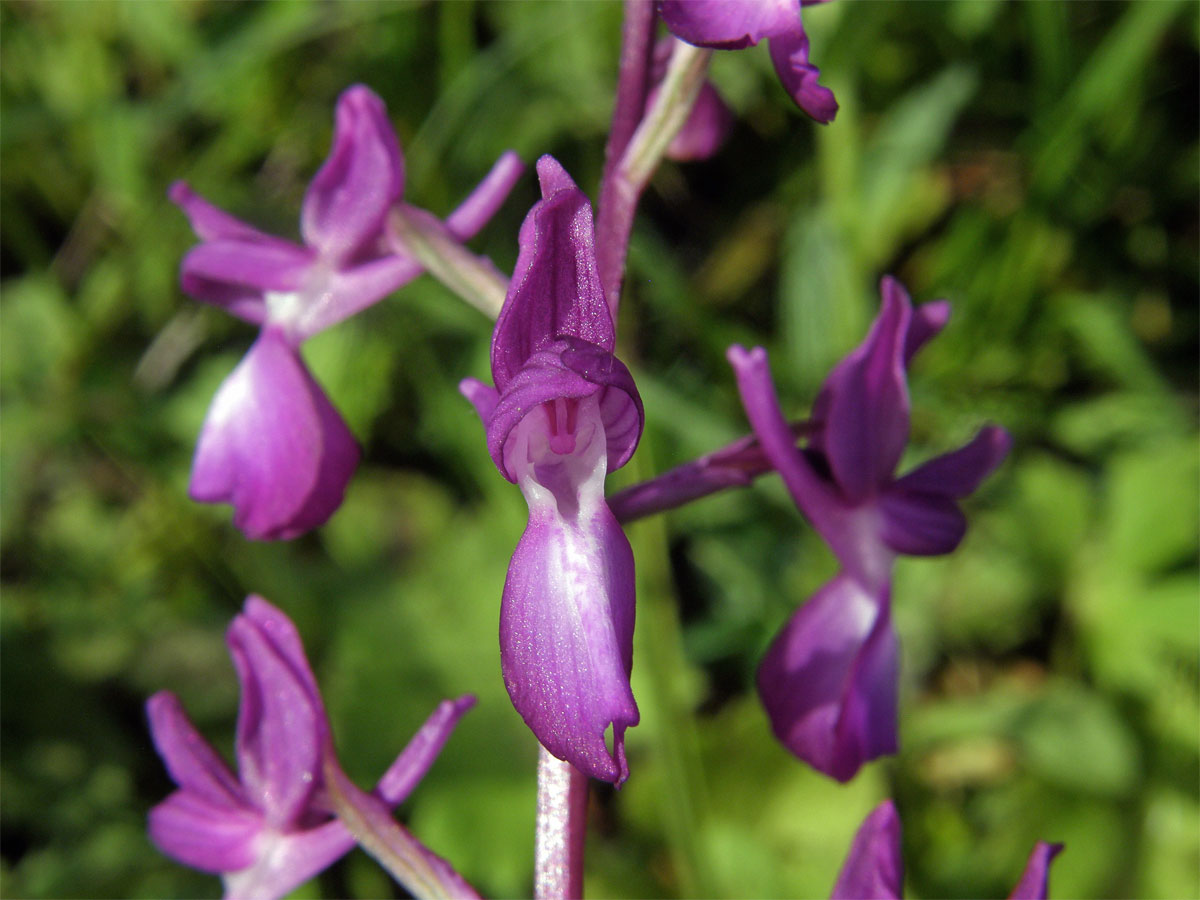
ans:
x=555 y=289
x=554 y=337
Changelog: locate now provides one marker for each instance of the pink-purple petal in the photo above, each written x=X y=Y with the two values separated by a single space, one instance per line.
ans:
x=555 y=290
x=193 y=764
x=566 y=638
x=207 y=836
x=927 y=321
x=789 y=54
x=828 y=682
x=273 y=446
x=826 y=511
x=1034 y=882
x=486 y=199
x=874 y=867
x=960 y=472
x=866 y=419
x=412 y=764
x=281 y=728
x=920 y=524
x=729 y=24
x=280 y=632
x=481 y=396
x=363 y=176
x=284 y=861
x=348 y=292
x=566 y=618
x=223 y=272
x=211 y=223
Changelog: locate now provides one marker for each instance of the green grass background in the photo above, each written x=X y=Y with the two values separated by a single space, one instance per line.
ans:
x=1034 y=162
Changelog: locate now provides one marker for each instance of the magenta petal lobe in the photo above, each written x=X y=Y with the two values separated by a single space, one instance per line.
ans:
x=363 y=176
x=566 y=619
x=280 y=727
x=566 y=639
x=1034 y=883
x=960 y=472
x=207 y=836
x=193 y=764
x=828 y=682
x=867 y=396
x=920 y=524
x=273 y=445
x=729 y=24
x=874 y=867
x=210 y=222
x=789 y=54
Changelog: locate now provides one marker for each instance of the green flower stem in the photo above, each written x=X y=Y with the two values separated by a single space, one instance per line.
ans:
x=419 y=871
x=474 y=278
x=624 y=185
x=676 y=96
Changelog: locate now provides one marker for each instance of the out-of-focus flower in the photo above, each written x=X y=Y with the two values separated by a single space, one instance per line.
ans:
x=828 y=681
x=564 y=412
x=272 y=444
x=736 y=24
x=874 y=868
x=270 y=828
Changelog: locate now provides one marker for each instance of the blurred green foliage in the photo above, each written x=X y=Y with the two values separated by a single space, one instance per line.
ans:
x=1037 y=163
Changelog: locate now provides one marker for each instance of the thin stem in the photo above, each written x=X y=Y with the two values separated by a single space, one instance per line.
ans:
x=625 y=183
x=561 y=827
x=633 y=86
x=474 y=278
x=680 y=87
x=419 y=870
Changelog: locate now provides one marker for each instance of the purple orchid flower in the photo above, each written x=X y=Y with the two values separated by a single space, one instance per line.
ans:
x=270 y=829
x=736 y=24
x=828 y=682
x=874 y=867
x=272 y=444
x=564 y=412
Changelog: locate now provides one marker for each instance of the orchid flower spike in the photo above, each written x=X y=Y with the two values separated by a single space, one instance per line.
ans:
x=563 y=413
x=272 y=444
x=270 y=828
x=724 y=25
x=874 y=867
x=828 y=682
